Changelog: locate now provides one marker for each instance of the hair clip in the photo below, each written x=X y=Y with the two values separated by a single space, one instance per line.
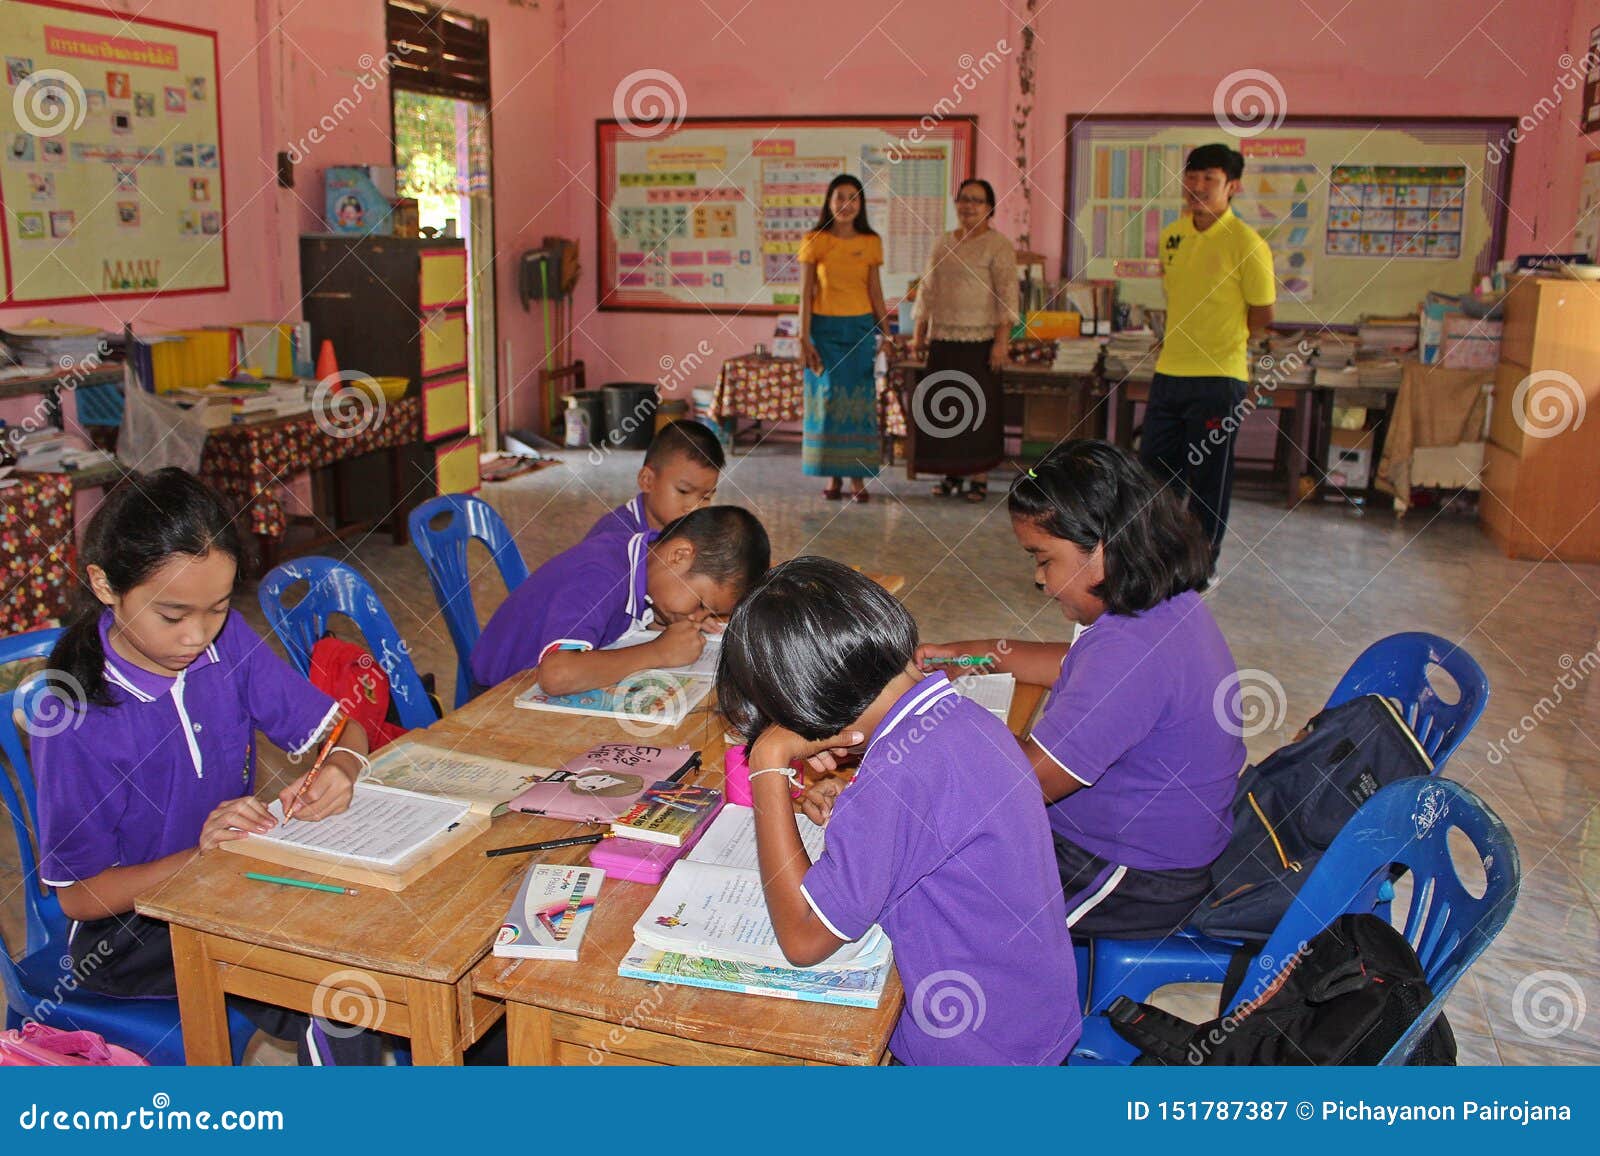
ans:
x=1032 y=475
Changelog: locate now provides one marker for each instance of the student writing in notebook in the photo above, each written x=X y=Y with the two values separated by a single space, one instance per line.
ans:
x=684 y=584
x=679 y=475
x=164 y=686
x=939 y=839
x=1136 y=751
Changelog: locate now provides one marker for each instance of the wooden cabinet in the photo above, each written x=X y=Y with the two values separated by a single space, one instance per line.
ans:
x=1541 y=480
x=397 y=307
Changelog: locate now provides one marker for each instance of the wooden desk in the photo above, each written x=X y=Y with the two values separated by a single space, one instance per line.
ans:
x=584 y=1013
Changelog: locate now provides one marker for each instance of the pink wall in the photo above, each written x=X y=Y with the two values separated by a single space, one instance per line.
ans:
x=556 y=67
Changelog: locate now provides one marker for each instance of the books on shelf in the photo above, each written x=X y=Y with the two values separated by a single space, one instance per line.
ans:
x=662 y=697
x=551 y=913
x=602 y=783
x=485 y=784
x=668 y=813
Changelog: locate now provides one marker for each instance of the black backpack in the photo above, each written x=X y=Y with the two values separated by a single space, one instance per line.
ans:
x=1343 y=999
x=1288 y=808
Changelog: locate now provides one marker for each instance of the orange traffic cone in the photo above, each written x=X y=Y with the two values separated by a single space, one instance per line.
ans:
x=327 y=363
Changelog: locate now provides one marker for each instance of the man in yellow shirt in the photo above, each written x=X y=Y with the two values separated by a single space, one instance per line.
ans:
x=1217 y=273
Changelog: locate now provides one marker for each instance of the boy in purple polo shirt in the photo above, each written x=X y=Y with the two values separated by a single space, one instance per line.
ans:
x=1139 y=747
x=939 y=839
x=563 y=615
x=152 y=759
x=679 y=475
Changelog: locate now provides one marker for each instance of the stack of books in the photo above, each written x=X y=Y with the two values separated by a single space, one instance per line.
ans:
x=1284 y=361
x=53 y=346
x=708 y=927
x=1130 y=355
x=1388 y=335
x=225 y=403
x=1080 y=356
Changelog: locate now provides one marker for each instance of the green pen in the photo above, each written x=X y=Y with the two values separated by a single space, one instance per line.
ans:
x=962 y=660
x=306 y=883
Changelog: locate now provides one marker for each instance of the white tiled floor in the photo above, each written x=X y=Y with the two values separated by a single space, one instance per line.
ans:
x=1301 y=594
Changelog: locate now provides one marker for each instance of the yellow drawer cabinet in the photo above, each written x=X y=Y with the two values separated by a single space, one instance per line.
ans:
x=1541 y=481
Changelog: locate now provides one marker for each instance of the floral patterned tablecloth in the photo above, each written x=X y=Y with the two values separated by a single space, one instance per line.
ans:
x=773 y=389
x=247 y=462
x=37 y=553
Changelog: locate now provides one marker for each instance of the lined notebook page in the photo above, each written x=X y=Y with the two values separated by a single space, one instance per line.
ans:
x=383 y=826
x=730 y=841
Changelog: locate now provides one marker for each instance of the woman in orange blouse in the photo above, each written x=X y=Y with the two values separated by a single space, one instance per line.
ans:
x=843 y=321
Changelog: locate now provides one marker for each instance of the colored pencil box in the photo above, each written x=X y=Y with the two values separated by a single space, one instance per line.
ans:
x=641 y=862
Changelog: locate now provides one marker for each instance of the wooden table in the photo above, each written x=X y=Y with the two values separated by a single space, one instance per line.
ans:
x=413 y=963
x=584 y=1013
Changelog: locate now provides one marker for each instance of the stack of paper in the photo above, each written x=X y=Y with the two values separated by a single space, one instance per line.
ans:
x=1130 y=355
x=56 y=346
x=1080 y=356
x=1388 y=334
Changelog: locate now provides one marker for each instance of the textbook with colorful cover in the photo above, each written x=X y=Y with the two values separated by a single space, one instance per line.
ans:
x=663 y=697
x=854 y=987
x=483 y=782
x=551 y=912
x=668 y=813
x=602 y=783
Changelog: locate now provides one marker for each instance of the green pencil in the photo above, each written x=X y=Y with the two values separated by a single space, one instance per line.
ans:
x=306 y=883
x=962 y=660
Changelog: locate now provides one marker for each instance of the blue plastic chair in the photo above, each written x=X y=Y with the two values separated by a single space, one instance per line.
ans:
x=462 y=518
x=1395 y=667
x=1406 y=824
x=37 y=987
x=334 y=588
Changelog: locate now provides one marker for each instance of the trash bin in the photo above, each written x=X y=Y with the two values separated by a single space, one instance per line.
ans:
x=585 y=418
x=630 y=414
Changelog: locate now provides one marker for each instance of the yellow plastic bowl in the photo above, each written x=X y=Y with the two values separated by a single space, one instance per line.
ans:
x=394 y=388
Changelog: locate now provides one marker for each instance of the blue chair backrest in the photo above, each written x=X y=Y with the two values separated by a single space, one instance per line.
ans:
x=1397 y=668
x=334 y=588
x=31 y=699
x=441 y=529
x=1407 y=824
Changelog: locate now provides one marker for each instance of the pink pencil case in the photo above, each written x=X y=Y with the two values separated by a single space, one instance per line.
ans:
x=641 y=862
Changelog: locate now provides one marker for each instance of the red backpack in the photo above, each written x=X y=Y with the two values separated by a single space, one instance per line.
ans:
x=349 y=674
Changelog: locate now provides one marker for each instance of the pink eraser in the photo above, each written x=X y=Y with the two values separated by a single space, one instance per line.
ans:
x=736 y=776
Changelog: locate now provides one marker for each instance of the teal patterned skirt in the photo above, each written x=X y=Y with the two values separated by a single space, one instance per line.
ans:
x=840 y=438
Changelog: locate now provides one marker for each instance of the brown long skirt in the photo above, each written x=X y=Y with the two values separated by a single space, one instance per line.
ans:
x=957 y=411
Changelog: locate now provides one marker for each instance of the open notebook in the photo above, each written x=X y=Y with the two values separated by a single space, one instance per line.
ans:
x=382 y=828
x=484 y=783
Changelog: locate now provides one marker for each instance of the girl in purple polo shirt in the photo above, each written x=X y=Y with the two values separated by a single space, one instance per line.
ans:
x=158 y=763
x=1137 y=751
x=939 y=839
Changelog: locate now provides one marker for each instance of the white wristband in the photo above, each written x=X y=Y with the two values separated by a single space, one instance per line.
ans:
x=366 y=763
x=787 y=772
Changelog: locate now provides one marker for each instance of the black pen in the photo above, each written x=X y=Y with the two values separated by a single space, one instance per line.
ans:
x=548 y=844
x=693 y=763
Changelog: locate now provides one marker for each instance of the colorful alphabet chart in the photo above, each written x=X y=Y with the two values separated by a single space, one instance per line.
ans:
x=710 y=213
x=110 y=156
x=1396 y=210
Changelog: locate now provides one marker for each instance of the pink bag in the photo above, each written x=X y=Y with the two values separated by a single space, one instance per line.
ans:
x=40 y=1046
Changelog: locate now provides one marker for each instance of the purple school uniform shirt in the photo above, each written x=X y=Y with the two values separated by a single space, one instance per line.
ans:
x=1135 y=718
x=941 y=840
x=582 y=598
x=134 y=782
x=627 y=519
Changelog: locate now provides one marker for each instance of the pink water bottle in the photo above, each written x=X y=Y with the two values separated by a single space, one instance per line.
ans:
x=736 y=775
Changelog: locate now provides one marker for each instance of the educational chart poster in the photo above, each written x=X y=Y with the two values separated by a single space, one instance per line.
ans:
x=111 y=169
x=709 y=215
x=1361 y=217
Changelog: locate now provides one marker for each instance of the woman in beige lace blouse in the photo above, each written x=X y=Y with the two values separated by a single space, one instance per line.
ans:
x=966 y=306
